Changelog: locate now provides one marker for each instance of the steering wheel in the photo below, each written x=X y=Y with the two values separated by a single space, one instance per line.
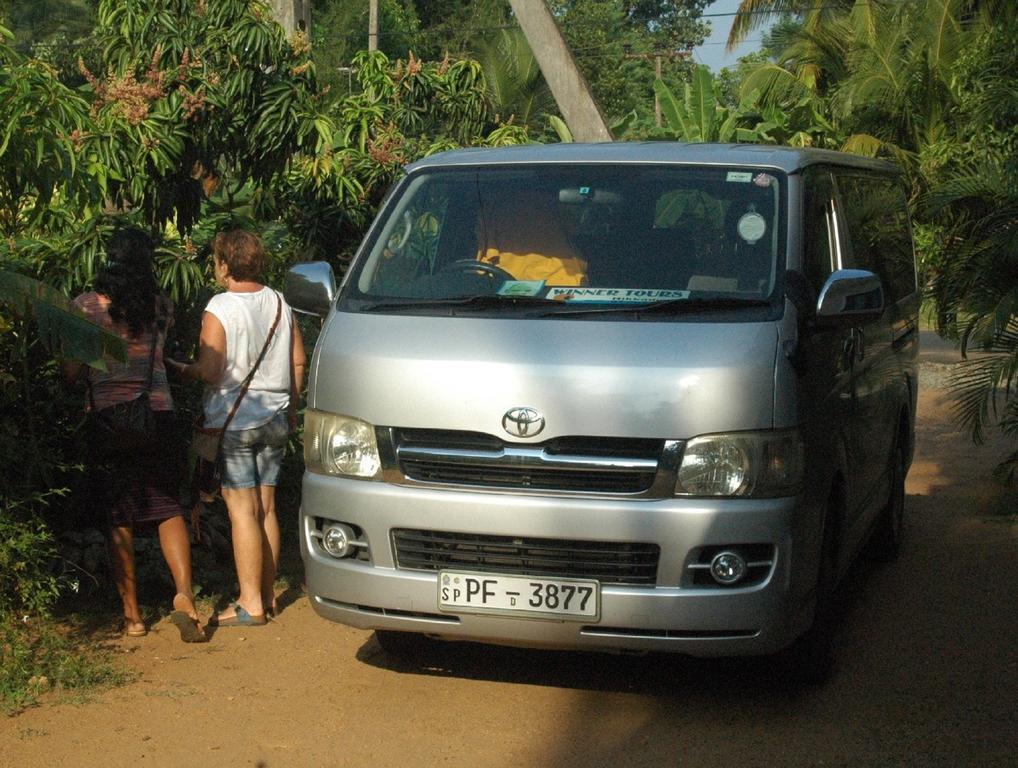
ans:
x=478 y=268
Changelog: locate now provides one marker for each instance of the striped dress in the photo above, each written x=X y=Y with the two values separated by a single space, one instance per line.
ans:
x=142 y=487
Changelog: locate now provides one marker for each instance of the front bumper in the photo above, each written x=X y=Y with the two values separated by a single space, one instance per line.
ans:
x=668 y=616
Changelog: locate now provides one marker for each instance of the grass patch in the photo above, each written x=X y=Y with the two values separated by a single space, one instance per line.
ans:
x=40 y=657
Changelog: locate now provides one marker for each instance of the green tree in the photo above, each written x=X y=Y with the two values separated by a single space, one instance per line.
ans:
x=701 y=115
x=975 y=196
x=40 y=176
x=931 y=85
x=198 y=95
x=340 y=31
x=461 y=28
x=32 y=22
x=607 y=38
x=515 y=86
x=193 y=96
x=399 y=112
x=615 y=43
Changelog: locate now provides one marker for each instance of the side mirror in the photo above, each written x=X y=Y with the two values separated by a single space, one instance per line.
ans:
x=851 y=294
x=310 y=287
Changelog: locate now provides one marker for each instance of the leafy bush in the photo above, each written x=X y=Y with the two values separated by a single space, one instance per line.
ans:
x=194 y=117
x=38 y=657
x=27 y=552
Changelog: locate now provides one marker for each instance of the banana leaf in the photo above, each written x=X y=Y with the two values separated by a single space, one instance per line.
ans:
x=62 y=327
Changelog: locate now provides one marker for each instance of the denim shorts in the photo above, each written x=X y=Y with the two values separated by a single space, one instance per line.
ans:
x=253 y=457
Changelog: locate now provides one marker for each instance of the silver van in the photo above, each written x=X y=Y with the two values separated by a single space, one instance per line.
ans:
x=652 y=397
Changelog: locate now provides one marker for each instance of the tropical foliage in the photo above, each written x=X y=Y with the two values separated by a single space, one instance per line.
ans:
x=931 y=85
x=615 y=44
x=191 y=117
x=701 y=115
x=515 y=85
x=975 y=200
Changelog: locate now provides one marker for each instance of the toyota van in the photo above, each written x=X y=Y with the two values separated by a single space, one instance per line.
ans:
x=642 y=397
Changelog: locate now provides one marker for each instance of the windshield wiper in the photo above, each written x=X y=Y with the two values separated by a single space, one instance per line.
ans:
x=672 y=306
x=479 y=301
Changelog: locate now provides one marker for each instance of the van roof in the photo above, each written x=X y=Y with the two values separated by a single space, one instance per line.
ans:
x=788 y=159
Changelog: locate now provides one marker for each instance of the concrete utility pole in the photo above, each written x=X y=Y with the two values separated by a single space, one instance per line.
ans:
x=564 y=78
x=293 y=15
x=657 y=56
x=373 y=25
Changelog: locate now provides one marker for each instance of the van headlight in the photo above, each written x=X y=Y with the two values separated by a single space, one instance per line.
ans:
x=340 y=445
x=760 y=464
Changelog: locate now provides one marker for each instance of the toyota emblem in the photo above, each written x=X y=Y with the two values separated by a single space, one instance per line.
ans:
x=523 y=422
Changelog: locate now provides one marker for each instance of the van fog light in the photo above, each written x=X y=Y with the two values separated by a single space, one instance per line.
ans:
x=728 y=568
x=337 y=539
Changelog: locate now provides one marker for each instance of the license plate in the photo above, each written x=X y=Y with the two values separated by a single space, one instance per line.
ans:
x=518 y=595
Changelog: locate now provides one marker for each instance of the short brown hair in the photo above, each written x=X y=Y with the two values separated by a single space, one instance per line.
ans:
x=242 y=252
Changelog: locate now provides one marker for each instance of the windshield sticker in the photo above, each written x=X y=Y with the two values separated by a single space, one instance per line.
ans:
x=614 y=295
x=763 y=180
x=740 y=176
x=752 y=226
x=521 y=288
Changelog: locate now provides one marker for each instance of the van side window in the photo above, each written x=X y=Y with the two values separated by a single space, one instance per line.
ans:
x=876 y=215
x=412 y=243
x=818 y=258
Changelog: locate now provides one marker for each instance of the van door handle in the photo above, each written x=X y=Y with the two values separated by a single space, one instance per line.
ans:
x=904 y=337
x=858 y=344
x=853 y=348
x=847 y=352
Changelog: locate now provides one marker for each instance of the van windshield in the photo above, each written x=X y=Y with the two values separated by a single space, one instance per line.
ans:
x=578 y=239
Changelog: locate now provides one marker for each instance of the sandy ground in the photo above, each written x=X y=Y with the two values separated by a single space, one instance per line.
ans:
x=927 y=675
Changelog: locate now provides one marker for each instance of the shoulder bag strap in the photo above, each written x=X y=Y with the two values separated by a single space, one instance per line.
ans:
x=247 y=382
x=152 y=357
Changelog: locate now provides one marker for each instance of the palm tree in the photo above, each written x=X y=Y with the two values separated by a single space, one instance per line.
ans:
x=515 y=85
x=880 y=71
x=753 y=14
x=932 y=85
x=975 y=285
x=976 y=294
x=900 y=79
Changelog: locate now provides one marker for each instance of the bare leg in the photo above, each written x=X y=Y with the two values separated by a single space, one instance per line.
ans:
x=122 y=555
x=245 y=509
x=176 y=546
x=270 y=546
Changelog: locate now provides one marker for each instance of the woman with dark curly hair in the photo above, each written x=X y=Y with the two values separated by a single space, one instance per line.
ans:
x=137 y=488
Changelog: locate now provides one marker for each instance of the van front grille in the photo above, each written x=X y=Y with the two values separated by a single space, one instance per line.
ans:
x=607 y=562
x=570 y=464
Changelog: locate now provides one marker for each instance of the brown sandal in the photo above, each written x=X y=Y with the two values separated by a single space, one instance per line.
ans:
x=187 y=624
x=189 y=628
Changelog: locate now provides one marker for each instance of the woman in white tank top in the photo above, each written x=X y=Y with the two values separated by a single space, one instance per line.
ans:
x=247 y=322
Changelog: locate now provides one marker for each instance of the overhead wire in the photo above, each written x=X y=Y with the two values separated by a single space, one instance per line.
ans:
x=435 y=31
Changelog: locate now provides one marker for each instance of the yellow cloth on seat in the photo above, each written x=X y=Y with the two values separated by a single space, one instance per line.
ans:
x=522 y=234
x=554 y=270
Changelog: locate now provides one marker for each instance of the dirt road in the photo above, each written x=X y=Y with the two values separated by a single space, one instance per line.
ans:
x=927 y=675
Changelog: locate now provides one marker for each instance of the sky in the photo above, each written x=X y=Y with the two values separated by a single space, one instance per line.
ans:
x=712 y=52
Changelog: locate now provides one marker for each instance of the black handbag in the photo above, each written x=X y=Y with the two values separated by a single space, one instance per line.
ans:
x=126 y=426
